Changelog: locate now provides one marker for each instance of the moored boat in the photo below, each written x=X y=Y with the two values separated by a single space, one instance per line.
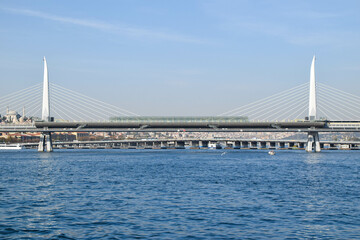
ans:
x=11 y=147
x=215 y=145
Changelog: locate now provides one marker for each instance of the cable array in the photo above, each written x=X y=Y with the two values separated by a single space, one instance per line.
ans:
x=65 y=104
x=334 y=104
x=287 y=105
x=29 y=98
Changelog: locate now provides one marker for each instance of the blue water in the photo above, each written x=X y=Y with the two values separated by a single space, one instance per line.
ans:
x=179 y=194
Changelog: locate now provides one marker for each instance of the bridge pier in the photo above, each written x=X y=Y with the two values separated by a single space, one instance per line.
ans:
x=194 y=144
x=237 y=145
x=179 y=144
x=272 y=145
x=253 y=145
x=45 y=143
x=313 y=142
x=281 y=145
x=163 y=145
x=204 y=144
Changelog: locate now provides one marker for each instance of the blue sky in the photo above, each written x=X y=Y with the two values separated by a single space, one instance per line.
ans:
x=179 y=57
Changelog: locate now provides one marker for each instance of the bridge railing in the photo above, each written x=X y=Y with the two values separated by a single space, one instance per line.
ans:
x=12 y=125
x=344 y=125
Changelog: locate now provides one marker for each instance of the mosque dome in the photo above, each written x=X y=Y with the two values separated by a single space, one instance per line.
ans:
x=11 y=112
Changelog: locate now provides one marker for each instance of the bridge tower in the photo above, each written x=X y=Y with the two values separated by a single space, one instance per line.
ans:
x=45 y=137
x=312 y=95
x=313 y=137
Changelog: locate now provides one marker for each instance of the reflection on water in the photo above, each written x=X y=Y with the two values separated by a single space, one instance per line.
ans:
x=313 y=158
x=41 y=200
x=46 y=155
x=179 y=194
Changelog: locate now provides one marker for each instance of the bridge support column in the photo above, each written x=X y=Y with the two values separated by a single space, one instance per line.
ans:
x=163 y=145
x=45 y=143
x=204 y=144
x=313 y=142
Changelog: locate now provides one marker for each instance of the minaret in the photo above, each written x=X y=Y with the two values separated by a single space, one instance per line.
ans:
x=312 y=95
x=46 y=100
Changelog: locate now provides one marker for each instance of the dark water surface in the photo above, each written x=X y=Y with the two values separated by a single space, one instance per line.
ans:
x=179 y=194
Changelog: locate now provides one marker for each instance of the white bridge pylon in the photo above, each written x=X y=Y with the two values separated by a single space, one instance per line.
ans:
x=312 y=92
x=45 y=142
x=313 y=142
x=46 y=98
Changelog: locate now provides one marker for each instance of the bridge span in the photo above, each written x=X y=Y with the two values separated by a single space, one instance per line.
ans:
x=148 y=126
x=192 y=143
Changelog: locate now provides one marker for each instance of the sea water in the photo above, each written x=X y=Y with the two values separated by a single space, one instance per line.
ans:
x=179 y=194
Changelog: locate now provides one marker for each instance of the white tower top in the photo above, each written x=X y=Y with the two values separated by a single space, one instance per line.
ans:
x=312 y=95
x=46 y=99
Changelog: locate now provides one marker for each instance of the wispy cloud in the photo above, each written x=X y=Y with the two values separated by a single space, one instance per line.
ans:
x=313 y=14
x=108 y=27
x=288 y=34
x=296 y=24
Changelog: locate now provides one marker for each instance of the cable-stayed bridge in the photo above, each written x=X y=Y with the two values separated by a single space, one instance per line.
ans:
x=304 y=108
x=289 y=105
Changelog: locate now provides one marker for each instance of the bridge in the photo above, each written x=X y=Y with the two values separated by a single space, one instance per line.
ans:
x=198 y=143
x=146 y=126
x=230 y=121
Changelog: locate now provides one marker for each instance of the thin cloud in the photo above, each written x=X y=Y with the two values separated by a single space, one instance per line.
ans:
x=284 y=32
x=287 y=33
x=313 y=14
x=103 y=26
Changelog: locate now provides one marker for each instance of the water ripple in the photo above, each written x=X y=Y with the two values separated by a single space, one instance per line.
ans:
x=179 y=194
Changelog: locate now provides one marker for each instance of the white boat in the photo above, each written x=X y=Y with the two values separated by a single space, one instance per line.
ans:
x=214 y=145
x=11 y=147
x=271 y=152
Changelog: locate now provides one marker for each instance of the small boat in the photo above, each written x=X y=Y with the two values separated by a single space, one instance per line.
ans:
x=212 y=145
x=271 y=152
x=11 y=147
x=215 y=146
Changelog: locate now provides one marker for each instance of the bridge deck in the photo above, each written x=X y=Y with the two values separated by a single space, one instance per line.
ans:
x=179 y=124
x=156 y=126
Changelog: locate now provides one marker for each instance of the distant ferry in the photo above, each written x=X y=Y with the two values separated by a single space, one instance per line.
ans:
x=10 y=147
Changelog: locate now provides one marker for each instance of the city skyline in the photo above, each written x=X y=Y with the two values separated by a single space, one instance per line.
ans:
x=170 y=58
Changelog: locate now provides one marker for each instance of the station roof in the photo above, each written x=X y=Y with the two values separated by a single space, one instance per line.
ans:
x=208 y=119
